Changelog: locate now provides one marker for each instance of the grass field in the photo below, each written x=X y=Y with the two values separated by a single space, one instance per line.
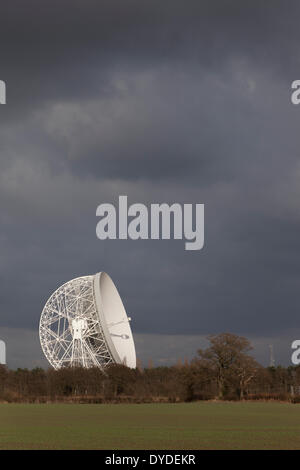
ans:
x=202 y=425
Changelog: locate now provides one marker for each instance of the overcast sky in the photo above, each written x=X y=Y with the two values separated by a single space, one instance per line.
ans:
x=164 y=101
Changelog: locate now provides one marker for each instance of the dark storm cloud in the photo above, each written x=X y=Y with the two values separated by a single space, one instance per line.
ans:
x=162 y=101
x=67 y=48
x=189 y=56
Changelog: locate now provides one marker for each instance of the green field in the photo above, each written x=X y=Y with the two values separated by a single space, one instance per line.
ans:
x=202 y=425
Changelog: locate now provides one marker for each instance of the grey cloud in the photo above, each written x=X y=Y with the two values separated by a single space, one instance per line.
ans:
x=162 y=101
x=69 y=49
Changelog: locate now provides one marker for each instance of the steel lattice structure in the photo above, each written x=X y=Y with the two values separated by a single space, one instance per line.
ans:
x=70 y=329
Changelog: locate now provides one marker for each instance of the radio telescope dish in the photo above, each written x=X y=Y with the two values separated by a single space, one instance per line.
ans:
x=84 y=323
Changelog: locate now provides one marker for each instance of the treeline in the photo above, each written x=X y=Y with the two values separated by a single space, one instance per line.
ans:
x=224 y=370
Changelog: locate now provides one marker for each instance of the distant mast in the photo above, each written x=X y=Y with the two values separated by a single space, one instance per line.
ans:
x=272 y=360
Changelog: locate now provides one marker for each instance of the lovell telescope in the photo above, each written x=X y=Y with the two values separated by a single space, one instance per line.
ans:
x=84 y=324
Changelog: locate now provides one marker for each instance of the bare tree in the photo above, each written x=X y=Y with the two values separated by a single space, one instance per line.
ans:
x=245 y=369
x=227 y=353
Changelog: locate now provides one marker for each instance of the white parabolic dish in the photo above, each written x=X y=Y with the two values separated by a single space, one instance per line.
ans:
x=84 y=323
